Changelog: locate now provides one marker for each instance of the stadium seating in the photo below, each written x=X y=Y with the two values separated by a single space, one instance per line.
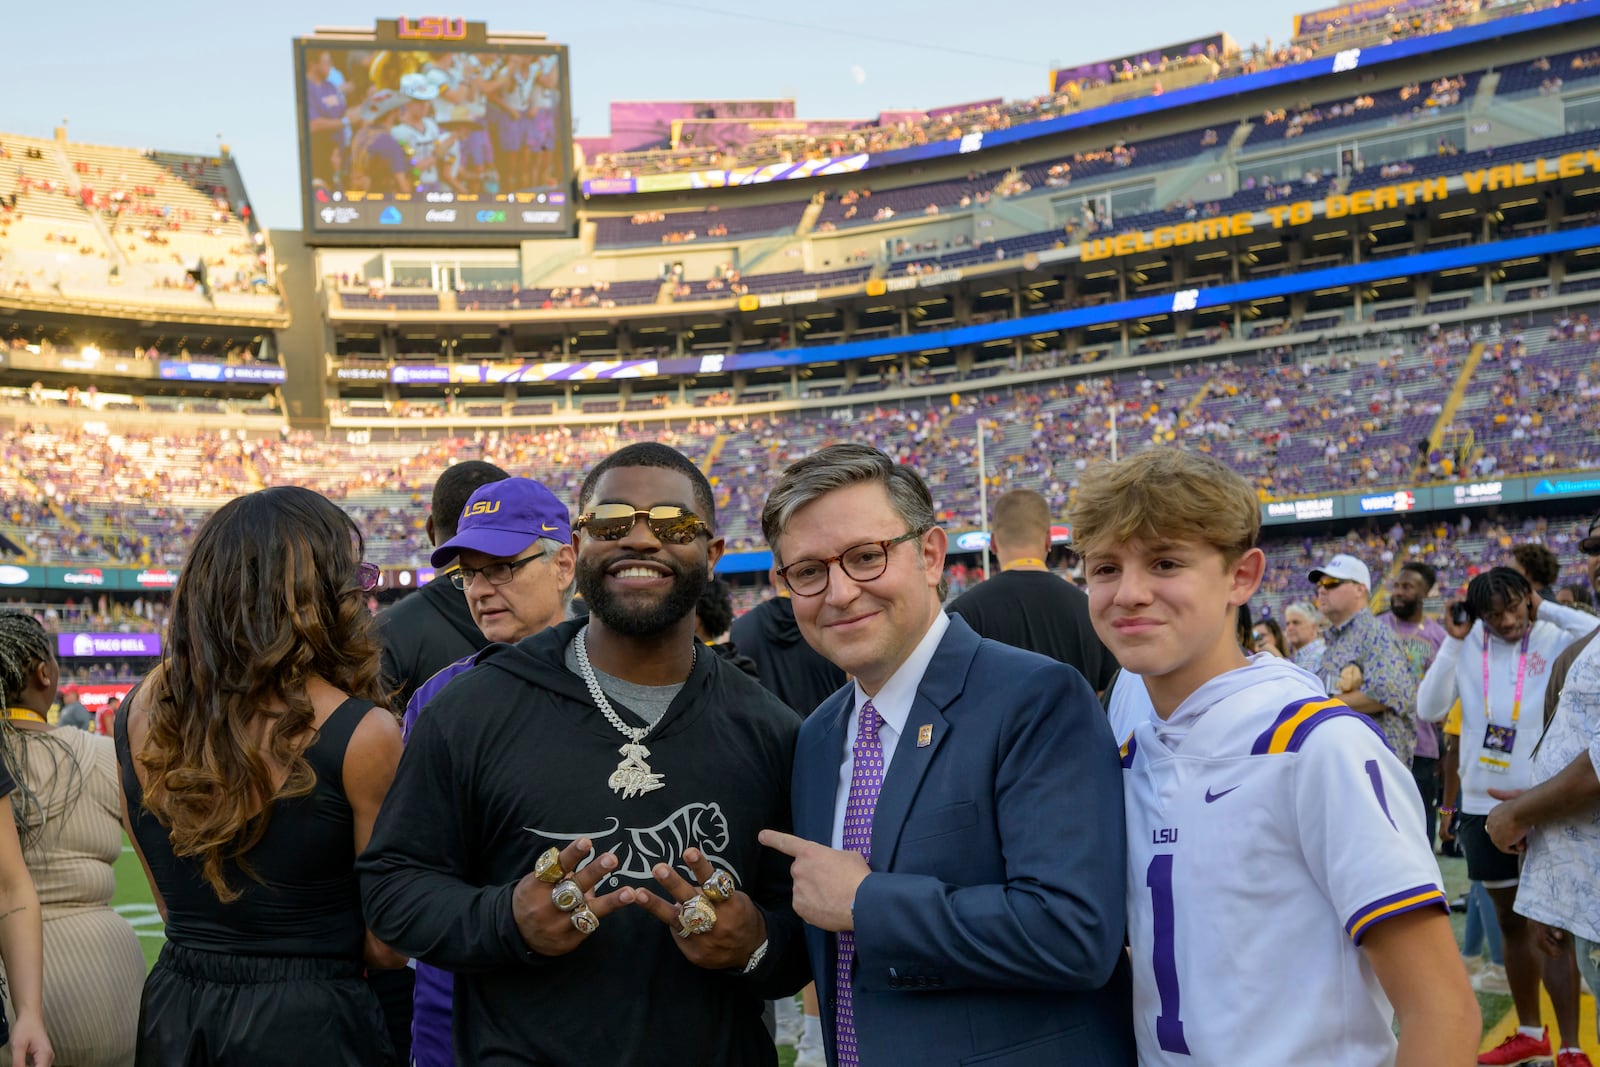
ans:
x=155 y=228
x=393 y=301
x=1551 y=71
x=1122 y=158
x=953 y=123
x=784 y=281
x=709 y=225
x=1388 y=106
x=1291 y=424
x=862 y=207
x=1534 y=404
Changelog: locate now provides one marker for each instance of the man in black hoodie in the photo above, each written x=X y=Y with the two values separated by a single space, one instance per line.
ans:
x=791 y=670
x=576 y=895
x=425 y=632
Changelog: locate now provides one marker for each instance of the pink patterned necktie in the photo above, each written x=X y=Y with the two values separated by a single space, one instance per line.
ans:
x=866 y=781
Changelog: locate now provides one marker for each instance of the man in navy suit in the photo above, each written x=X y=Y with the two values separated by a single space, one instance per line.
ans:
x=959 y=848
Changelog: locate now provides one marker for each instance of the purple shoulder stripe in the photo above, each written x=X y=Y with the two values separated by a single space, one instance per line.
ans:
x=430 y=689
x=1294 y=724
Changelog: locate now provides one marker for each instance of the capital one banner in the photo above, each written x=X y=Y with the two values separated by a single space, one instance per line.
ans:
x=84 y=646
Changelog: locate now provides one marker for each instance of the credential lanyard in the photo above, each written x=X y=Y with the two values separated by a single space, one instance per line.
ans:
x=1522 y=677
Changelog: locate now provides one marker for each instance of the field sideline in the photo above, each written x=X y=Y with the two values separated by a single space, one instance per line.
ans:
x=134 y=901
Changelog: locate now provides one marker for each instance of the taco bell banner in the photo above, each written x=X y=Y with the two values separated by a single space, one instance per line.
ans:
x=83 y=646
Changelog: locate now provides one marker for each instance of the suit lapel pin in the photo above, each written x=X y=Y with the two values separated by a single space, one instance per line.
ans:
x=925 y=735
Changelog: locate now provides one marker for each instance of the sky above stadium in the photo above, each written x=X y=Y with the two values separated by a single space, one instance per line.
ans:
x=185 y=76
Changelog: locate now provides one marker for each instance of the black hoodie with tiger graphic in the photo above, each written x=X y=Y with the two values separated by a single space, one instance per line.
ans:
x=513 y=757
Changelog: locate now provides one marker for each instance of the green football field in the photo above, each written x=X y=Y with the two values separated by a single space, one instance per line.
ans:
x=134 y=902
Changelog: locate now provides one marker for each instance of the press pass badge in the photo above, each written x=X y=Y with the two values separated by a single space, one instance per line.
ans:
x=1494 y=764
x=1499 y=738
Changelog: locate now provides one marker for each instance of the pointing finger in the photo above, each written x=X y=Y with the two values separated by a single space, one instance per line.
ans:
x=788 y=844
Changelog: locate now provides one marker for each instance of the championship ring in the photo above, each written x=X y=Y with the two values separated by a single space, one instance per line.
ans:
x=696 y=917
x=567 y=896
x=547 y=868
x=719 y=887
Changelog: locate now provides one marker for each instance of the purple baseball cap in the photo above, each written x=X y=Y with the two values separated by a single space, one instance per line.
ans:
x=503 y=518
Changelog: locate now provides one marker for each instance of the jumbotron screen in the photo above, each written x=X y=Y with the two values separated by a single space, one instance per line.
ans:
x=430 y=129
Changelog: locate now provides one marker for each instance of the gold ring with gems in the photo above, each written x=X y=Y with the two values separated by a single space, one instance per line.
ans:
x=585 y=921
x=567 y=896
x=696 y=916
x=547 y=868
x=718 y=888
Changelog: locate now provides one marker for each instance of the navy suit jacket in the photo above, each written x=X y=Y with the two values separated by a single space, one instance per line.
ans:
x=991 y=929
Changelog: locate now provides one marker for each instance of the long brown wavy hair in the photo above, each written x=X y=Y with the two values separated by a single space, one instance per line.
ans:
x=270 y=597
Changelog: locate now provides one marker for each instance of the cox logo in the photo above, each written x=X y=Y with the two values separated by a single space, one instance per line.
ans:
x=491 y=216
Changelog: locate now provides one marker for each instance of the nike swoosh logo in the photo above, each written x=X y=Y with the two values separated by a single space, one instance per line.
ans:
x=546 y=526
x=1212 y=798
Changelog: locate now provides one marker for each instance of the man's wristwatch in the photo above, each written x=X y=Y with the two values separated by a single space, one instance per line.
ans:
x=755 y=958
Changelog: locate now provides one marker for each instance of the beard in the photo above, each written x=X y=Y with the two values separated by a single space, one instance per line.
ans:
x=640 y=619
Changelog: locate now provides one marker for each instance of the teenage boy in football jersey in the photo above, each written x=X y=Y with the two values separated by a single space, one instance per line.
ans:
x=1260 y=812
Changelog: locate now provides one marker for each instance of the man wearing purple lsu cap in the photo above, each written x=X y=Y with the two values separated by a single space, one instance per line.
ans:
x=514 y=546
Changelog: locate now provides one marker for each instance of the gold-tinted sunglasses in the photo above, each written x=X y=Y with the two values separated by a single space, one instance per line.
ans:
x=671 y=524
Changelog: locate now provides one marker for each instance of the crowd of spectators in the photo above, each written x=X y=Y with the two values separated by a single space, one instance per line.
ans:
x=171 y=220
x=96 y=614
x=1315 y=418
x=1131 y=79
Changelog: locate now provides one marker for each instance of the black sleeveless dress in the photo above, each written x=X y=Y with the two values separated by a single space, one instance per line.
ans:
x=275 y=976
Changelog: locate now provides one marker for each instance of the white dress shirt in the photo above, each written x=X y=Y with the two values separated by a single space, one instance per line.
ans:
x=893 y=703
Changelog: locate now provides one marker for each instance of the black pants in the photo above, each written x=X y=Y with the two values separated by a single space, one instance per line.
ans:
x=395 y=990
x=1425 y=772
x=212 y=1009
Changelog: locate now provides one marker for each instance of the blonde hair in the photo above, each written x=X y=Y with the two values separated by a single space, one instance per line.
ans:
x=1021 y=517
x=1165 y=494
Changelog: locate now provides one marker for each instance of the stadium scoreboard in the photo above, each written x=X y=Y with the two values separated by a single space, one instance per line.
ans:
x=433 y=130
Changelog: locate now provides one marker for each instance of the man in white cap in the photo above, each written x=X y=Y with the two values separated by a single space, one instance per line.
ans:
x=419 y=134
x=1363 y=662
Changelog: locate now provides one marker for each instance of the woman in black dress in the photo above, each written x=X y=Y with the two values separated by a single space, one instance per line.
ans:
x=253 y=762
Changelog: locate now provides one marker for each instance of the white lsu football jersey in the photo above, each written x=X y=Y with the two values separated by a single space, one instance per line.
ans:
x=1262 y=846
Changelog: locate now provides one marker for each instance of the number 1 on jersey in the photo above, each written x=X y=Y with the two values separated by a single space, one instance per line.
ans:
x=1164 y=957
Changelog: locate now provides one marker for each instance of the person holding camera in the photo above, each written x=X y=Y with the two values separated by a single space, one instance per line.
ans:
x=1496 y=660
